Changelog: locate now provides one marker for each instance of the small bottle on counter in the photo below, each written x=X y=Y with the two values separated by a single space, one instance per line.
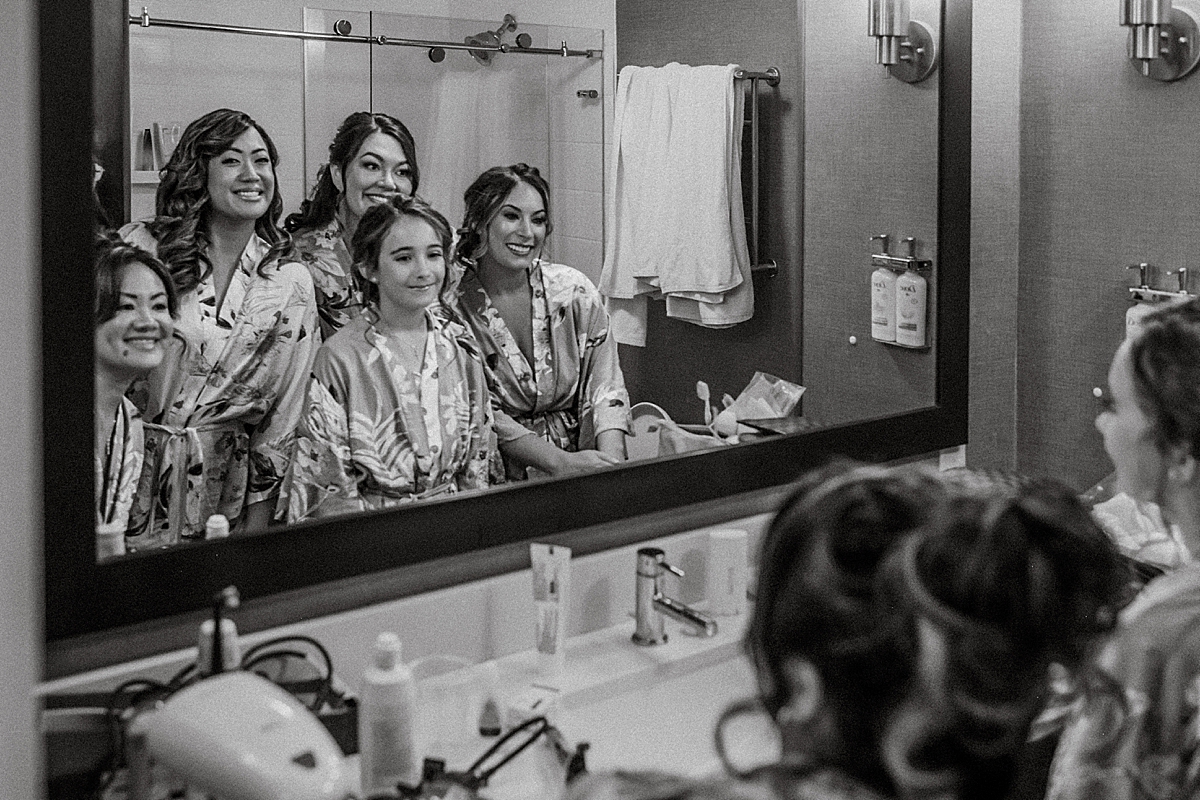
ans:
x=387 y=711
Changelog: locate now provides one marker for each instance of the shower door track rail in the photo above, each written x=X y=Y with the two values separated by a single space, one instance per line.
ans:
x=144 y=20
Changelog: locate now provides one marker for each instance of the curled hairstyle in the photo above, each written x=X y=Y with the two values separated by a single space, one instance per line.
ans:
x=321 y=207
x=1012 y=582
x=483 y=200
x=817 y=601
x=373 y=228
x=1165 y=361
x=183 y=204
x=112 y=255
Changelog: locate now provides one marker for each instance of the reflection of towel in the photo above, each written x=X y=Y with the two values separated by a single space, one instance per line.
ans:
x=678 y=224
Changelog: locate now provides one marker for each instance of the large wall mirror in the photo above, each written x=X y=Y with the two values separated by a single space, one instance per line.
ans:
x=877 y=155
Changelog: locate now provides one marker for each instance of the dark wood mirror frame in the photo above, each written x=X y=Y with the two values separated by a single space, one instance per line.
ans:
x=90 y=605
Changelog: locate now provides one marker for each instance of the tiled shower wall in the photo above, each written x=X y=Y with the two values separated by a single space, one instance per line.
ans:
x=177 y=75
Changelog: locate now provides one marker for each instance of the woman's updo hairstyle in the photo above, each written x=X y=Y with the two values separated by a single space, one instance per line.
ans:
x=817 y=599
x=367 y=243
x=483 y=200
x=112 y=255
x=1165 y=360
x=182 y=201
x=321 y=207
x=1012 y=582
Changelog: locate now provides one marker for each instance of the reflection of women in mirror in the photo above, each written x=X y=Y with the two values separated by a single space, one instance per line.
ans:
x=398 y=405
x=557 y=388
x=1140 y=729
x=222 y=410
x=135 y=310
x=902 y=635
x=372 y=158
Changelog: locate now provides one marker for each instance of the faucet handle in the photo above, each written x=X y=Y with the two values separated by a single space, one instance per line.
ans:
x=676 y=571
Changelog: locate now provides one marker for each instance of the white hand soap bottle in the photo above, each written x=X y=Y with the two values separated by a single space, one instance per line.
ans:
x=883 y=296
x=912 y=295
x=387 y=712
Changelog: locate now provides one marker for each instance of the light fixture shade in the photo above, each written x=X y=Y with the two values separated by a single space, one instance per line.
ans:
x=1145 y=12
x=887 y=21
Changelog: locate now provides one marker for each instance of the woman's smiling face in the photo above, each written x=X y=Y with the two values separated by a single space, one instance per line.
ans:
x=241 y=180
x=378 y=171
x=134 y=340
x=411 y=268
x=516 y=233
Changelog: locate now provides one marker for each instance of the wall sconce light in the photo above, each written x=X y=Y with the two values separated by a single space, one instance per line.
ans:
x=904 y=46
x=1163 y=37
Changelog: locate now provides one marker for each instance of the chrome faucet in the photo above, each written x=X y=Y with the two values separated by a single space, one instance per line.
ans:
x=652 y=604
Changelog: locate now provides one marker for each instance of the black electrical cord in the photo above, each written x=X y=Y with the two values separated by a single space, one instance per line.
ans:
x=260 y=653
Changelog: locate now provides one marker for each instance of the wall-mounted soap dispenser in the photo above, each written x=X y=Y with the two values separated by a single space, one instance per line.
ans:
x=883 y=293
x=907 y=326
x=1147 y=299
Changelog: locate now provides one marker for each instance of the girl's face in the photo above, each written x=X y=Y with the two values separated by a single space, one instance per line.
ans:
x=411 y=268
x=515 y=235
x=241 y=181
x=378 y=171
x=134 y=341
x=1129 y=434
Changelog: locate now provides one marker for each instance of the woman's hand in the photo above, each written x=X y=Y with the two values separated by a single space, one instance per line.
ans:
x=534 y=451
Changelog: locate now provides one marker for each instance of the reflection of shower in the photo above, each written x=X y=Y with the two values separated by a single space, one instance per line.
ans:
x=493 y=39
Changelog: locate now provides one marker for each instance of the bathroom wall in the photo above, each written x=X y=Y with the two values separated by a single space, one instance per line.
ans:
x=176 y=75
x=870 y=166
x=763 y=34
x=20 y=428
x=1109 y=177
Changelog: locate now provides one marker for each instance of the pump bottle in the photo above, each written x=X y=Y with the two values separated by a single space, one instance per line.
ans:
x=911 y=300
x=883 y=298
x=387 y=712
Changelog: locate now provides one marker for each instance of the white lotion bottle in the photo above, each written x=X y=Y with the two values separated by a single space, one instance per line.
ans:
x=912 y=292
x=387 y=712
x=883 y=305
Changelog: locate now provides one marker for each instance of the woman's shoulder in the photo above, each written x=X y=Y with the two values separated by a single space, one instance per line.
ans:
x=318 y=240
x=138 y=234
x=566 y=284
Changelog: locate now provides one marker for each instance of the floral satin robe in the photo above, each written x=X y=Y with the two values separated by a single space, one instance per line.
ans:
x=339 y=298
x=1139 y=738
x=375 y=435
x=119 y=468
x=574 y=390
x=222 y=409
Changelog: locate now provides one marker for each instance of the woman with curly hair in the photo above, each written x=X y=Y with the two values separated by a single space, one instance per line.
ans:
x=222 y=409
x=398 y=406
x=902 y=636
x=372 y=159
x=1137 y=733
x=558 y=392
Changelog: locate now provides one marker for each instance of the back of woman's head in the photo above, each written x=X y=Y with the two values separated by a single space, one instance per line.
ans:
x=321 y=208
x=1165 y=361
x=182 y=201
x=816 y=599
x=999 y=586
x=111 y=256
x=483 y=199
x=367 y=243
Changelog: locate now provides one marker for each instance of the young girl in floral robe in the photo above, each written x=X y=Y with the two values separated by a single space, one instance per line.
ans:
x=397 y=408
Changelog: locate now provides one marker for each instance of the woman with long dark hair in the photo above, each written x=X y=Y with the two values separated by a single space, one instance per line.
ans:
x=222 y=409
x=558 y=392
x=135 y=319
x=372 y=159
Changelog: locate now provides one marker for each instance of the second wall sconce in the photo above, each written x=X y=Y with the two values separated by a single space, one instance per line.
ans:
x=1164 y=37
x=906 y=47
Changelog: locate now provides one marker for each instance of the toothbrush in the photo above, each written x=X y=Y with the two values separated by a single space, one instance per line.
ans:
x=703 y=394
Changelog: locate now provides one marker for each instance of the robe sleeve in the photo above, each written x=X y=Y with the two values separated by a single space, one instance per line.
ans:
x=603 y=399
x=273 y=439
x=322 y=481
x=475 y=473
